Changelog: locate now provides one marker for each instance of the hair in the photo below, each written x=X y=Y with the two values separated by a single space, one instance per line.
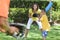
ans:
x=42 y=13
x=37 y=6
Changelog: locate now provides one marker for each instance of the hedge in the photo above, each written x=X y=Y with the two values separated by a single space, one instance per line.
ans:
x=18 y=15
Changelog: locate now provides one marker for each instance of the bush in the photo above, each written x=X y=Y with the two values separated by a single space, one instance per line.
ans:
x=55 y=15
x=28 y=4
x=19 y=15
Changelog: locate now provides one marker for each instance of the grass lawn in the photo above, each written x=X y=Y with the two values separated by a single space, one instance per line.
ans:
x=35 y=34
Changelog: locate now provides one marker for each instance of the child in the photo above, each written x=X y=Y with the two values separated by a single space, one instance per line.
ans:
x=45 y=24
x=4 y=7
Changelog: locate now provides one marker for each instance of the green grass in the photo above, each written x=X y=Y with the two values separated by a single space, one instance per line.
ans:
x=35 y=34
x=3 y=36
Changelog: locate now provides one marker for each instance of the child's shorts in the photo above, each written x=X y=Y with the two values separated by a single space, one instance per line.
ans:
x=44 y=33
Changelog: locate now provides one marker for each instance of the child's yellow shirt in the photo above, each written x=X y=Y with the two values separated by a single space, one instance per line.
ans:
x=45 y=23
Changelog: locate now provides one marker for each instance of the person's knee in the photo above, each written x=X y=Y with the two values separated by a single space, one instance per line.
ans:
x=28 y=27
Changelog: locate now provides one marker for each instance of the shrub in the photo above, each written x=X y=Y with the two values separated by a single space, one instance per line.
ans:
x=19 y=15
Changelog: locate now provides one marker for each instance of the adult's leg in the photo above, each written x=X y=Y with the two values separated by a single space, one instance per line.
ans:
x=4 y=24
x=28 y=26
x=39 y=24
